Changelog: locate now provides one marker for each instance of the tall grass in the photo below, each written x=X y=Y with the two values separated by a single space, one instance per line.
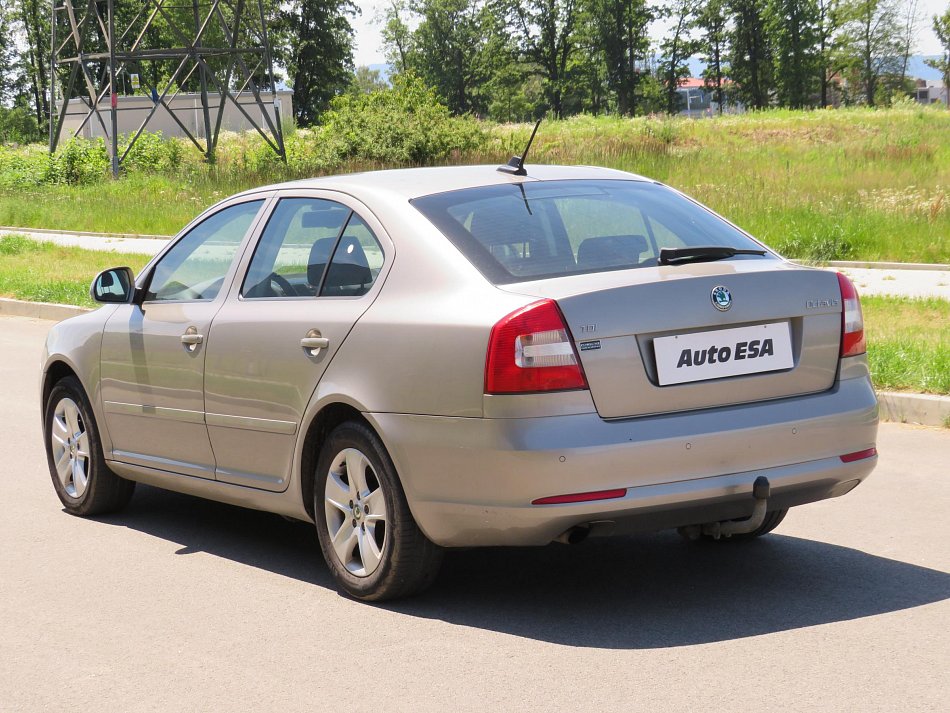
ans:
x=820 y=185
x=908 y=343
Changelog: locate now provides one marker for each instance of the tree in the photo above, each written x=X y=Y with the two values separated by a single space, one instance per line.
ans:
x=8 y=56
x=366 y=81
x=457 y=44
x=397 y=37
x=941 y=25
x=714 y=44
x=676 y=49
x=320 y=53
x=909 y=26
x=829 y=22
x=751 y=57
x=34 y=16
x=545 y=29
x=872 y=41
x=618 y=29
x=792 y=26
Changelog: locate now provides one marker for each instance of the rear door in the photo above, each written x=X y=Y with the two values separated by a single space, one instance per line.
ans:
x=153 y=353
x=317 y=266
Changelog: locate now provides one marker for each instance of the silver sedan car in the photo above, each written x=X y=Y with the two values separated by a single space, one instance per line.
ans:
x=429 y=358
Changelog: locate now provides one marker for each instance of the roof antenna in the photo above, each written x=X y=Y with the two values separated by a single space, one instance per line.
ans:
x=515 y=165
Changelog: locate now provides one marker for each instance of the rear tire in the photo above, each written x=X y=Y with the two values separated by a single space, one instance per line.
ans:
x=81 y=478
x=370 y=541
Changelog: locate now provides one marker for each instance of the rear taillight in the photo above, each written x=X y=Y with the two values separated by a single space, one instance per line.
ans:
x=531 y=350
x=852 y=320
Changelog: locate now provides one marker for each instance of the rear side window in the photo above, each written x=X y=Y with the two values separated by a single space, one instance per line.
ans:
x=294 y=249
x=313 y=247
x=533 y=230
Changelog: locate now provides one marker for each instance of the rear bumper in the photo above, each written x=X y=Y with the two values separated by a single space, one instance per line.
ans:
x=471 y=481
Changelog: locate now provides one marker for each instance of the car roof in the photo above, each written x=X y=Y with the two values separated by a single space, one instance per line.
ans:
x=409 y=183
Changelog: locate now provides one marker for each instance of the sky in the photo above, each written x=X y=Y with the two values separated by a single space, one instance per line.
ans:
x=368 y=47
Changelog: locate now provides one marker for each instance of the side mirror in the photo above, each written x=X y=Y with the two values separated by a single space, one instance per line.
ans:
x=113 y=286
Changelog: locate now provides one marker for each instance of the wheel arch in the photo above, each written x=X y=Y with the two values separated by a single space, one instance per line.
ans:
x=329 y=416
x=55 y=371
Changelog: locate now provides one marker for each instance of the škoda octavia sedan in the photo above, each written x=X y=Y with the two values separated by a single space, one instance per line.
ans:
x=429 y=358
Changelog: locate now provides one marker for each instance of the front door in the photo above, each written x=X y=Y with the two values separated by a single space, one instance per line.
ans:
x=315 y=270
x=153 y=353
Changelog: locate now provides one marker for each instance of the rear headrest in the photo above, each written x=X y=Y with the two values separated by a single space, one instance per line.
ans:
x=319 y=257
x=350 y=266
x=610 y=251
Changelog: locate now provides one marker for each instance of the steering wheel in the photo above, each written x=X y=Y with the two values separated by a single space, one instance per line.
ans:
x=285 y=287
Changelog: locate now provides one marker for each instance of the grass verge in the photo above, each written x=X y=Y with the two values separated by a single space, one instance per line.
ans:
x=908 y=339
x=44 y=272
x=908 y=343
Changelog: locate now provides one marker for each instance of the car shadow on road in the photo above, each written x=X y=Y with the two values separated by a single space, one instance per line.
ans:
x=650 y=591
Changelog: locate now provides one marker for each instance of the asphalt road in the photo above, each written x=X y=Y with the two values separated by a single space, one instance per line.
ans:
x=181 y=604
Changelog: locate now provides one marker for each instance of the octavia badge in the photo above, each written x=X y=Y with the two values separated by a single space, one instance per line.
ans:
x=721 y=298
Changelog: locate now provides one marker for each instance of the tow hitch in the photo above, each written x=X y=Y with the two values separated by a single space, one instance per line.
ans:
x=760 y=491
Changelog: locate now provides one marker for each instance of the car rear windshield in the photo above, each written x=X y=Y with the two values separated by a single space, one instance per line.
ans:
x=533 y=230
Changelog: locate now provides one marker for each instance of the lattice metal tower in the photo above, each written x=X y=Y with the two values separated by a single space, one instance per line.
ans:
x=222 y=53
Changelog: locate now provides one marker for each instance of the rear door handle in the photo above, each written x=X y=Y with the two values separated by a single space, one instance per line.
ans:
x=314 y=342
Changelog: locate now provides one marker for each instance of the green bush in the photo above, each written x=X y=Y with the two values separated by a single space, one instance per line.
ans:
x=404 y=124
x=151 y=153
x=23 y=167
x=78 y=162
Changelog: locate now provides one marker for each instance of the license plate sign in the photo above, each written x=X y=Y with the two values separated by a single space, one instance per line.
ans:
x=699 y=356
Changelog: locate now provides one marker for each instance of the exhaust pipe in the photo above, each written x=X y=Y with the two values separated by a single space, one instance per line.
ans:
x=574 y=535
x=761 y=489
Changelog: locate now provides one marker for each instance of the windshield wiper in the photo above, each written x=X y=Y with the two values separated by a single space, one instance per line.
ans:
x=701 y=253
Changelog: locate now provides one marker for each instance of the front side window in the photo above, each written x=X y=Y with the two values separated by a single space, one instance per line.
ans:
x=195 y=267
x=517 y=232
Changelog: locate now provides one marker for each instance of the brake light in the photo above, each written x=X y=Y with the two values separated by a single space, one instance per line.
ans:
x=852 y=319
x=531 y=350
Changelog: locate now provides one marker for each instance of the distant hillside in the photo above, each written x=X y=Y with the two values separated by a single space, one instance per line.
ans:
x=916 y=68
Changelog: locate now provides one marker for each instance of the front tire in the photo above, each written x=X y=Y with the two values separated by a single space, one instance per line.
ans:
x=370 y=541
x=81 y=478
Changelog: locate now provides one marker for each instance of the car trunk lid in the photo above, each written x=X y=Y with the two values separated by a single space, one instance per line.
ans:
x=652 y=340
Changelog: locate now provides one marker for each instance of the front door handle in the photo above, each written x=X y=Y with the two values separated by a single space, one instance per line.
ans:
x=313 y=342
x=191 y=339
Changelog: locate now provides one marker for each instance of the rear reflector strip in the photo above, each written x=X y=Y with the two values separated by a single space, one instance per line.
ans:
x=859 y=455
x=581 y=497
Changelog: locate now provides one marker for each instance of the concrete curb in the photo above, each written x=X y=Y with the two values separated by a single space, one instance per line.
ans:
x=82 y=234
x=889 y=265
x=924 y=409
x=39 y=310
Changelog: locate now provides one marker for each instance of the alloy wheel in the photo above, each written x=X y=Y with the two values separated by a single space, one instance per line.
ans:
x=69 y=443
x=356 y=514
